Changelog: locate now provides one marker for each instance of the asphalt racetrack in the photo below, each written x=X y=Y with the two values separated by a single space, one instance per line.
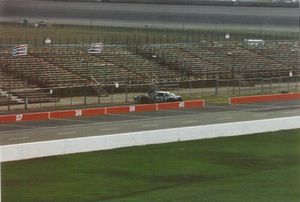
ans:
x=114 y=124
x=151 y=15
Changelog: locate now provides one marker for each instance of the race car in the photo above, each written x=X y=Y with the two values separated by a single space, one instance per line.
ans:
x=157 y=96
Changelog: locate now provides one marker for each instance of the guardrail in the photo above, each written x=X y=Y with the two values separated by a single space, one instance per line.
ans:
x=76 y=145
x=264 y=98
x=40 y=116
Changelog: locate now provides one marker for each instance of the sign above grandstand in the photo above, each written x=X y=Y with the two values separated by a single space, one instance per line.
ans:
x=48 y=41
x=227 y=36
x=254 y=42
x=96 y=48
x=19 y=50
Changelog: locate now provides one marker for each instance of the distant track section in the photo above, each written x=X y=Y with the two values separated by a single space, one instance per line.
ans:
x=194 y=2
x=151 y=15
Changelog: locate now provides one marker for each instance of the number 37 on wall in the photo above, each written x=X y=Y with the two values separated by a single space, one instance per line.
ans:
x=19 y=117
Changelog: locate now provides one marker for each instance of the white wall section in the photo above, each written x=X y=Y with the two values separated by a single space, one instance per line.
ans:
x=76 y=145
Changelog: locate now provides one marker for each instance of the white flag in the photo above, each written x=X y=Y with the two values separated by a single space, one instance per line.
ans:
x=96 y=48
x=19 y=50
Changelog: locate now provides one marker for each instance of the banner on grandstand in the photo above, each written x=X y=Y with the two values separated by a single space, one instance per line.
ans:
x=19 y=50
x=96 y=48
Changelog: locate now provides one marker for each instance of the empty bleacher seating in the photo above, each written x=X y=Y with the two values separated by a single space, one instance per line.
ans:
x=64 y=67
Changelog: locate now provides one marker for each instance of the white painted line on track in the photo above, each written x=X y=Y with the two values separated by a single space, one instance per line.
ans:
x=109 y=129
x=252 y=105
x=74 y=120
x=290 y=112
x=131 y=115
x=191 y=121
x=274 y=107
x=231 y=107
x=149 y=125
x=258 y=115
x=18 y=138
x=225 y=118
x=66 y=133
x=180 y=111
x=21 y=126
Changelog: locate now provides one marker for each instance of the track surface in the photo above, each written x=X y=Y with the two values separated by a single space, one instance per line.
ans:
x=171 y=16
x=113 y=124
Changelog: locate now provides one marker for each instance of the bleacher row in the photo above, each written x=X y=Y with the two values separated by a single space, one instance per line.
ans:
x=63 y=67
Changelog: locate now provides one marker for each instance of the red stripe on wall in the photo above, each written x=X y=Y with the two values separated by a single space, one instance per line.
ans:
x=264 y=98
x=117 y=110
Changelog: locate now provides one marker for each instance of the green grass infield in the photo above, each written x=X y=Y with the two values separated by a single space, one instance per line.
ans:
x=262 y=167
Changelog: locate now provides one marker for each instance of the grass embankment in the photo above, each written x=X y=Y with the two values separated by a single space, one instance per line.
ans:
x=261 y=167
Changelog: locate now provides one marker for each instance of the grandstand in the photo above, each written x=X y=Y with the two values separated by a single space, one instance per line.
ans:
x=63 y=66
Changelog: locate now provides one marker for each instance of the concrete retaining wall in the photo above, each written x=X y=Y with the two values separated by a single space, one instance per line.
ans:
x=40 y=116
x=87 y=144
x=264 y=98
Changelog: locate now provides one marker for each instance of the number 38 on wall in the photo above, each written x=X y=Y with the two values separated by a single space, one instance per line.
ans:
x=78 y=112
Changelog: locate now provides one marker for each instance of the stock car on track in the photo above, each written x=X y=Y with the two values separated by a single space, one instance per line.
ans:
x=157 y=96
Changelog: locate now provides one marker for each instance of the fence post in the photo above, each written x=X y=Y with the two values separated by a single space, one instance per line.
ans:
x=202 y=87
x=26 y=103
x=262 y=86
x=239 y=86
x=71 y=96
x=55 y=103
x=233 y=87
x=112 y=94
x=217 y=87
x=8 y=106
x=126 y=93
x=271 y=85
x=190 y=88
x=98 y=93
x=40 y=102
x=85 y=89
x=280 y=80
